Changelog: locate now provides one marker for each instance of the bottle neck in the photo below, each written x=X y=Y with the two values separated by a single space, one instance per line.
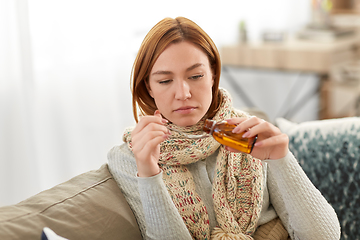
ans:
x=209 y=126
x=212 y=127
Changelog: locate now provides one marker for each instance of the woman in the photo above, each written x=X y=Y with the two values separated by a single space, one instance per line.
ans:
x=184 y=189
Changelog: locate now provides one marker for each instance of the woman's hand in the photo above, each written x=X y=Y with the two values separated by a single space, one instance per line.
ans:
x=146 y=138
x=271 y=142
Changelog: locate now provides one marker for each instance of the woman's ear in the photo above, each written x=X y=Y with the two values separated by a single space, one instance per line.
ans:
x=148 y=89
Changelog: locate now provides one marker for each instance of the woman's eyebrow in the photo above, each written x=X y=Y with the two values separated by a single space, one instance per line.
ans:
x=196 y=65
x=163 y=72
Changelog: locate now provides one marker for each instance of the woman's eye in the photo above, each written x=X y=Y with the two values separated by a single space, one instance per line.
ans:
x=197 y=76
x=165 y=81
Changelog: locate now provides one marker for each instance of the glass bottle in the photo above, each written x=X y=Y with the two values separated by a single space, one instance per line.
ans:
x=222 y=132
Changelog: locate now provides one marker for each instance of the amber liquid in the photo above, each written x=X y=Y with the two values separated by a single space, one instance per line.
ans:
x=222 y=133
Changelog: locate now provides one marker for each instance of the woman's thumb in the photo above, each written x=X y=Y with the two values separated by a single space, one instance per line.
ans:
x=157 y=113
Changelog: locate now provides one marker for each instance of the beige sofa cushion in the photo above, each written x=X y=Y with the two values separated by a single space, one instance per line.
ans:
x=89 y=206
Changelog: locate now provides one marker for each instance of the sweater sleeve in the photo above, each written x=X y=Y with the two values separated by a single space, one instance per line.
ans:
x=163 y=220
x=303 y=210
x=148 y=198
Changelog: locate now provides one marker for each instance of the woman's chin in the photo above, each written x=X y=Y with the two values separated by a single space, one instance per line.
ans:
x=186 y=122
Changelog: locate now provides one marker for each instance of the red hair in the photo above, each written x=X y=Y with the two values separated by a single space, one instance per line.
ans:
x=164 y=33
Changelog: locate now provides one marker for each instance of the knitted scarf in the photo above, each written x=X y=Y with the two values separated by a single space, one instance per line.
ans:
x=237 y=184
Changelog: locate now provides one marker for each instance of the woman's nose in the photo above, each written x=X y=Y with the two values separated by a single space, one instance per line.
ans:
x=182 y=91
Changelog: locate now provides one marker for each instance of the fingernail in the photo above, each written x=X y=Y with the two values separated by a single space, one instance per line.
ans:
x=236 y=129
x=245 y=135
x=163 y=120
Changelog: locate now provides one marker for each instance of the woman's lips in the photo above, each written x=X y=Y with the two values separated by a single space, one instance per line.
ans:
x=185 y=110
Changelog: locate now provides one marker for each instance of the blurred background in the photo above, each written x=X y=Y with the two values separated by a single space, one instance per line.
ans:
x=65 y=73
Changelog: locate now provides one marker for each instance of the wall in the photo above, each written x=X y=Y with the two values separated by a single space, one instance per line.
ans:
x=65 y=70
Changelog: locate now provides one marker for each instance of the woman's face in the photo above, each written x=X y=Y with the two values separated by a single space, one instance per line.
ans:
x=181 y=83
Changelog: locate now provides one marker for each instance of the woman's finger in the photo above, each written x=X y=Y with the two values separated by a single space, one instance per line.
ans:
x=236 y=120
x=153 y=143
x=232 y=149
x=262 y=128
x=273 y=141
x=150 y=131
x=247 y=124
x=146 y=120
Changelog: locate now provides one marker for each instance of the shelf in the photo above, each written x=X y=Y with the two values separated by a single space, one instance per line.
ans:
x=345 y=11
x=346 y=7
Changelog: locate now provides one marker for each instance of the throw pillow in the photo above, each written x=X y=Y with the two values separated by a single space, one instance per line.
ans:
x=329 y=153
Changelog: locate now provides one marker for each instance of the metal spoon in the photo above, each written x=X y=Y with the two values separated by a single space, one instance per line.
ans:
x=190 y=136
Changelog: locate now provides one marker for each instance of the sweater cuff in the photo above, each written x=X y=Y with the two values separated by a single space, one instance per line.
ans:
x=156 y=179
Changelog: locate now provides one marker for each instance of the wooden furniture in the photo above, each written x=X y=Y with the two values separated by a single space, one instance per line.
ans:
x=292 y=55
x=296 y=55
x=346 y=6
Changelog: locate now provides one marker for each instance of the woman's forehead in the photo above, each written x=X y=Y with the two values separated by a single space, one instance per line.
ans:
x=185 y=56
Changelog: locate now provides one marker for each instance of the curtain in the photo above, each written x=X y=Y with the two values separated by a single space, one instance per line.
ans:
x=65 y=93
x=19 y=175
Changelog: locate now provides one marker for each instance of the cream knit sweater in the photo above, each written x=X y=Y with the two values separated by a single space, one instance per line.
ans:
x=288 y=194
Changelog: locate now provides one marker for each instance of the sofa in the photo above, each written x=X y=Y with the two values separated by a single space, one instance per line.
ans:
x=92 y=206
